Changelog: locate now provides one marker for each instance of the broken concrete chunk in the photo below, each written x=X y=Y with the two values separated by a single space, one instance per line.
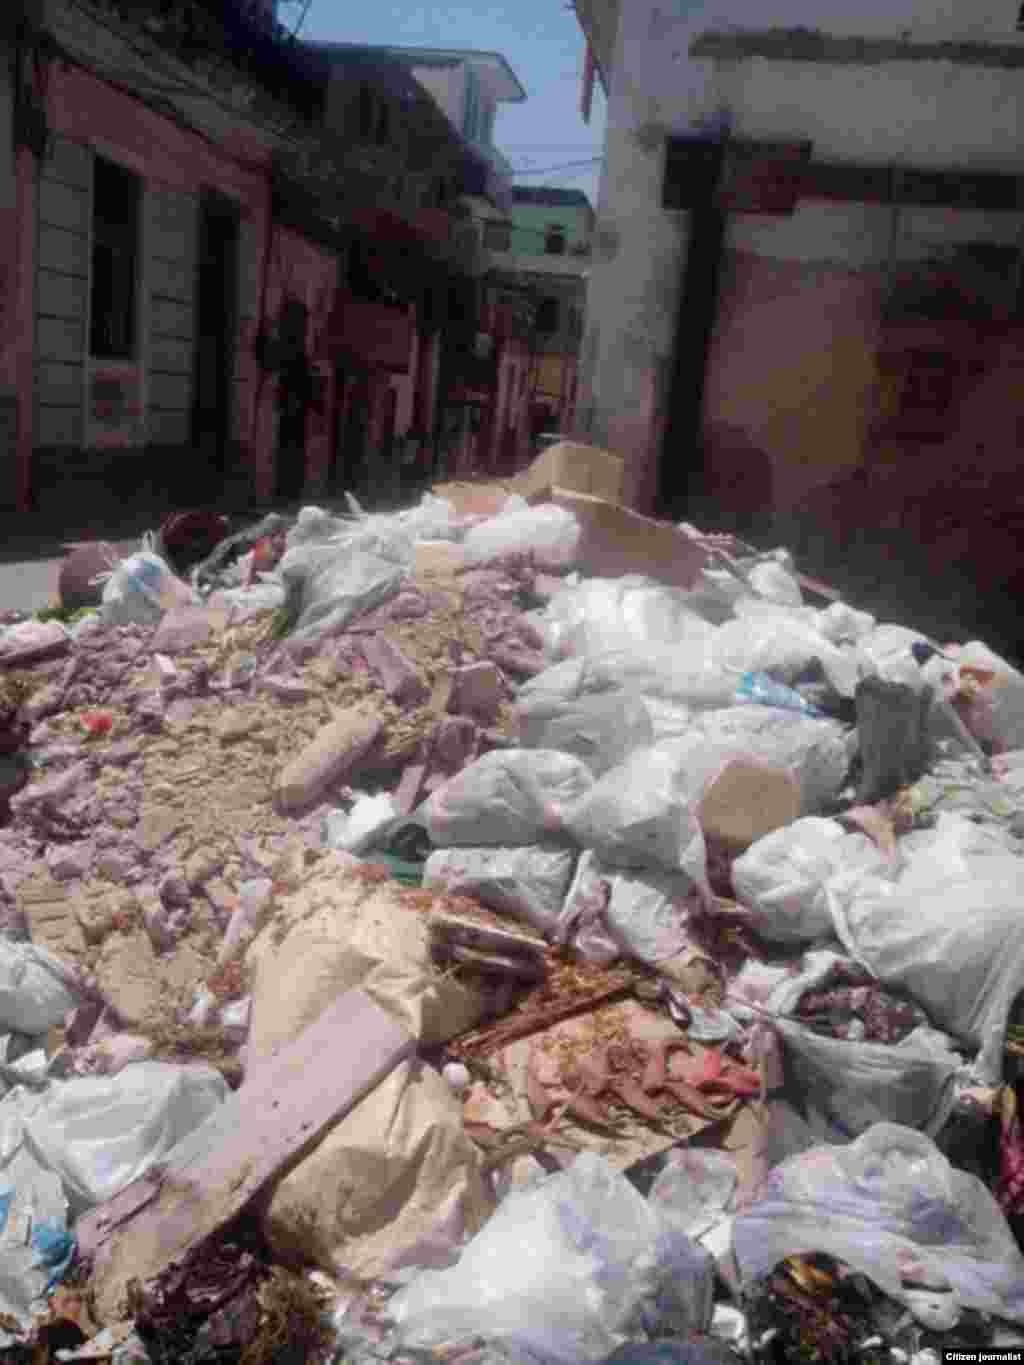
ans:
x=182 y=628
x=479 y=691
x=288 y=690
x=399 y=678
x=68 y=863
x=174 y=891
x=455 y=742
x=30 y=642
x=327 y=759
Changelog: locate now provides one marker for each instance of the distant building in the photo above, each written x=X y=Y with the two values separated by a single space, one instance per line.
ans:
x=543 y=247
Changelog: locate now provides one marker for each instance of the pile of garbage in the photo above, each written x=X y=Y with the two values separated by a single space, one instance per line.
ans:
x=414 y=943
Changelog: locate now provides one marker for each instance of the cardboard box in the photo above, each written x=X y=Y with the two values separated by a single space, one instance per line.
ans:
x=616 y=541
x=576 y=467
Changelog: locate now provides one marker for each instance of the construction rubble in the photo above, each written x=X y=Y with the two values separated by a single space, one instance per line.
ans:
x=507 y=929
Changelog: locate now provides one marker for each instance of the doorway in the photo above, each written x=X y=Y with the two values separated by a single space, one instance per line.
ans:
x=293 y=401
x=216 y=316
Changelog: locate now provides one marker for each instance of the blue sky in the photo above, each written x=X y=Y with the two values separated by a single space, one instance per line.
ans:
x=542 y=42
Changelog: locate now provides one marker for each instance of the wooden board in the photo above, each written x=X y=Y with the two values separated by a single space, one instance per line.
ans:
x=260 y=1132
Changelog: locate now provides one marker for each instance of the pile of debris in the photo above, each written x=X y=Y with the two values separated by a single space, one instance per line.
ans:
x=510 y=929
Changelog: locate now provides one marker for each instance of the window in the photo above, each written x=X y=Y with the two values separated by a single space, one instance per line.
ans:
x=115 y=246
x=498 y=236
x=471 y=115
x=383 y=124
x=554 y=240
x=365 y=112
x=547 y=317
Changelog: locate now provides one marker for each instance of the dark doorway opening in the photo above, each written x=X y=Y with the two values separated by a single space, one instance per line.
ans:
x=216 y=323
x=293 y=400
x=681 y=469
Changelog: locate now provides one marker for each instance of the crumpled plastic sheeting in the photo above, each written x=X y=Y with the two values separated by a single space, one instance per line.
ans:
x=529 y=884
x=817 y=752
x=643 y=813
x=601 y=730
x=847 y=1087
x=781 y=878
x=35 y=1245
x=954 y=943
x=36 y=988
x=892 y=1207
x=99 y=1133
x=603 y=615
x=566 y=1270
x=508 y=797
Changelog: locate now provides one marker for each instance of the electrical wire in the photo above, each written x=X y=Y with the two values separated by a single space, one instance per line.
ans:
x=519 y=171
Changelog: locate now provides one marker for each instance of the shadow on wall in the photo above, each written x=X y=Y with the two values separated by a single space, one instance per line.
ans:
x=736 y=490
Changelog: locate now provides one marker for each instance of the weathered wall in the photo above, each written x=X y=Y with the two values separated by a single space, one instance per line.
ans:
x=530 y=222
x=8 y=292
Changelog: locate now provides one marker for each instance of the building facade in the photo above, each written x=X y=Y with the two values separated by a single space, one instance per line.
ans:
x=543 y=247
x=805 y=304
x=232 y=263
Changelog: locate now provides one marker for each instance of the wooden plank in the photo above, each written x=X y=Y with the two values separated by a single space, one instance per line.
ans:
x=168 y=428
x=59 y=385
x=170 y=355
x=281 y=1111
x=172 y=279
x=171 y=319
x=170 y=391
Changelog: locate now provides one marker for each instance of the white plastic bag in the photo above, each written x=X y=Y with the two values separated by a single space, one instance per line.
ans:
x=99 y=1133
x=643 y=813
x=954 y=941
x=890 y=1206
x=648 y=911
x=817 y=752
x=140 y=589
x=36 y=988
x=781 y=878
x=509 y=797
x=996 y=714
x=36 y=1246
x=550 y=533
x=772 y=581
x=530 y=884
x=848 y=1086
x=329 y=585
x=356 y=830
x=602 y=730
x=842 y=624
x=779 y=641
x=433 y=519
x=633 y=612
x=565 y=1269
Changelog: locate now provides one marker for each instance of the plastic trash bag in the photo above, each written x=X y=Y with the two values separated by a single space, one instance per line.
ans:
x=140 y=589
x=509 y=797
x=779 y=641
x=953 y=940
x=357 y=830
x=647 y=912
x=36 y=1247
x=549 y=533
x=695 y=1188
x=601 y=730
x=817 y=752
x=890 y=1206
x=99 y=1133
x=848 y=1086
x=329 y=585
x=633 y=612
x=771 y=580
x=842 y=624
x=781 y=878
x=36 y=988
x=995 y=715
x=530 y=884
x=643 y=813
x=433 y=518
x=566 y=1269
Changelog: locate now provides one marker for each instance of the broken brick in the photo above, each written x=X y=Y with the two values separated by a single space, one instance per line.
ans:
x=479 y=691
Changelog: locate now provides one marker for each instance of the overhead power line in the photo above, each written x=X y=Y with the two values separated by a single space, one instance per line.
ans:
x=519 y=171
